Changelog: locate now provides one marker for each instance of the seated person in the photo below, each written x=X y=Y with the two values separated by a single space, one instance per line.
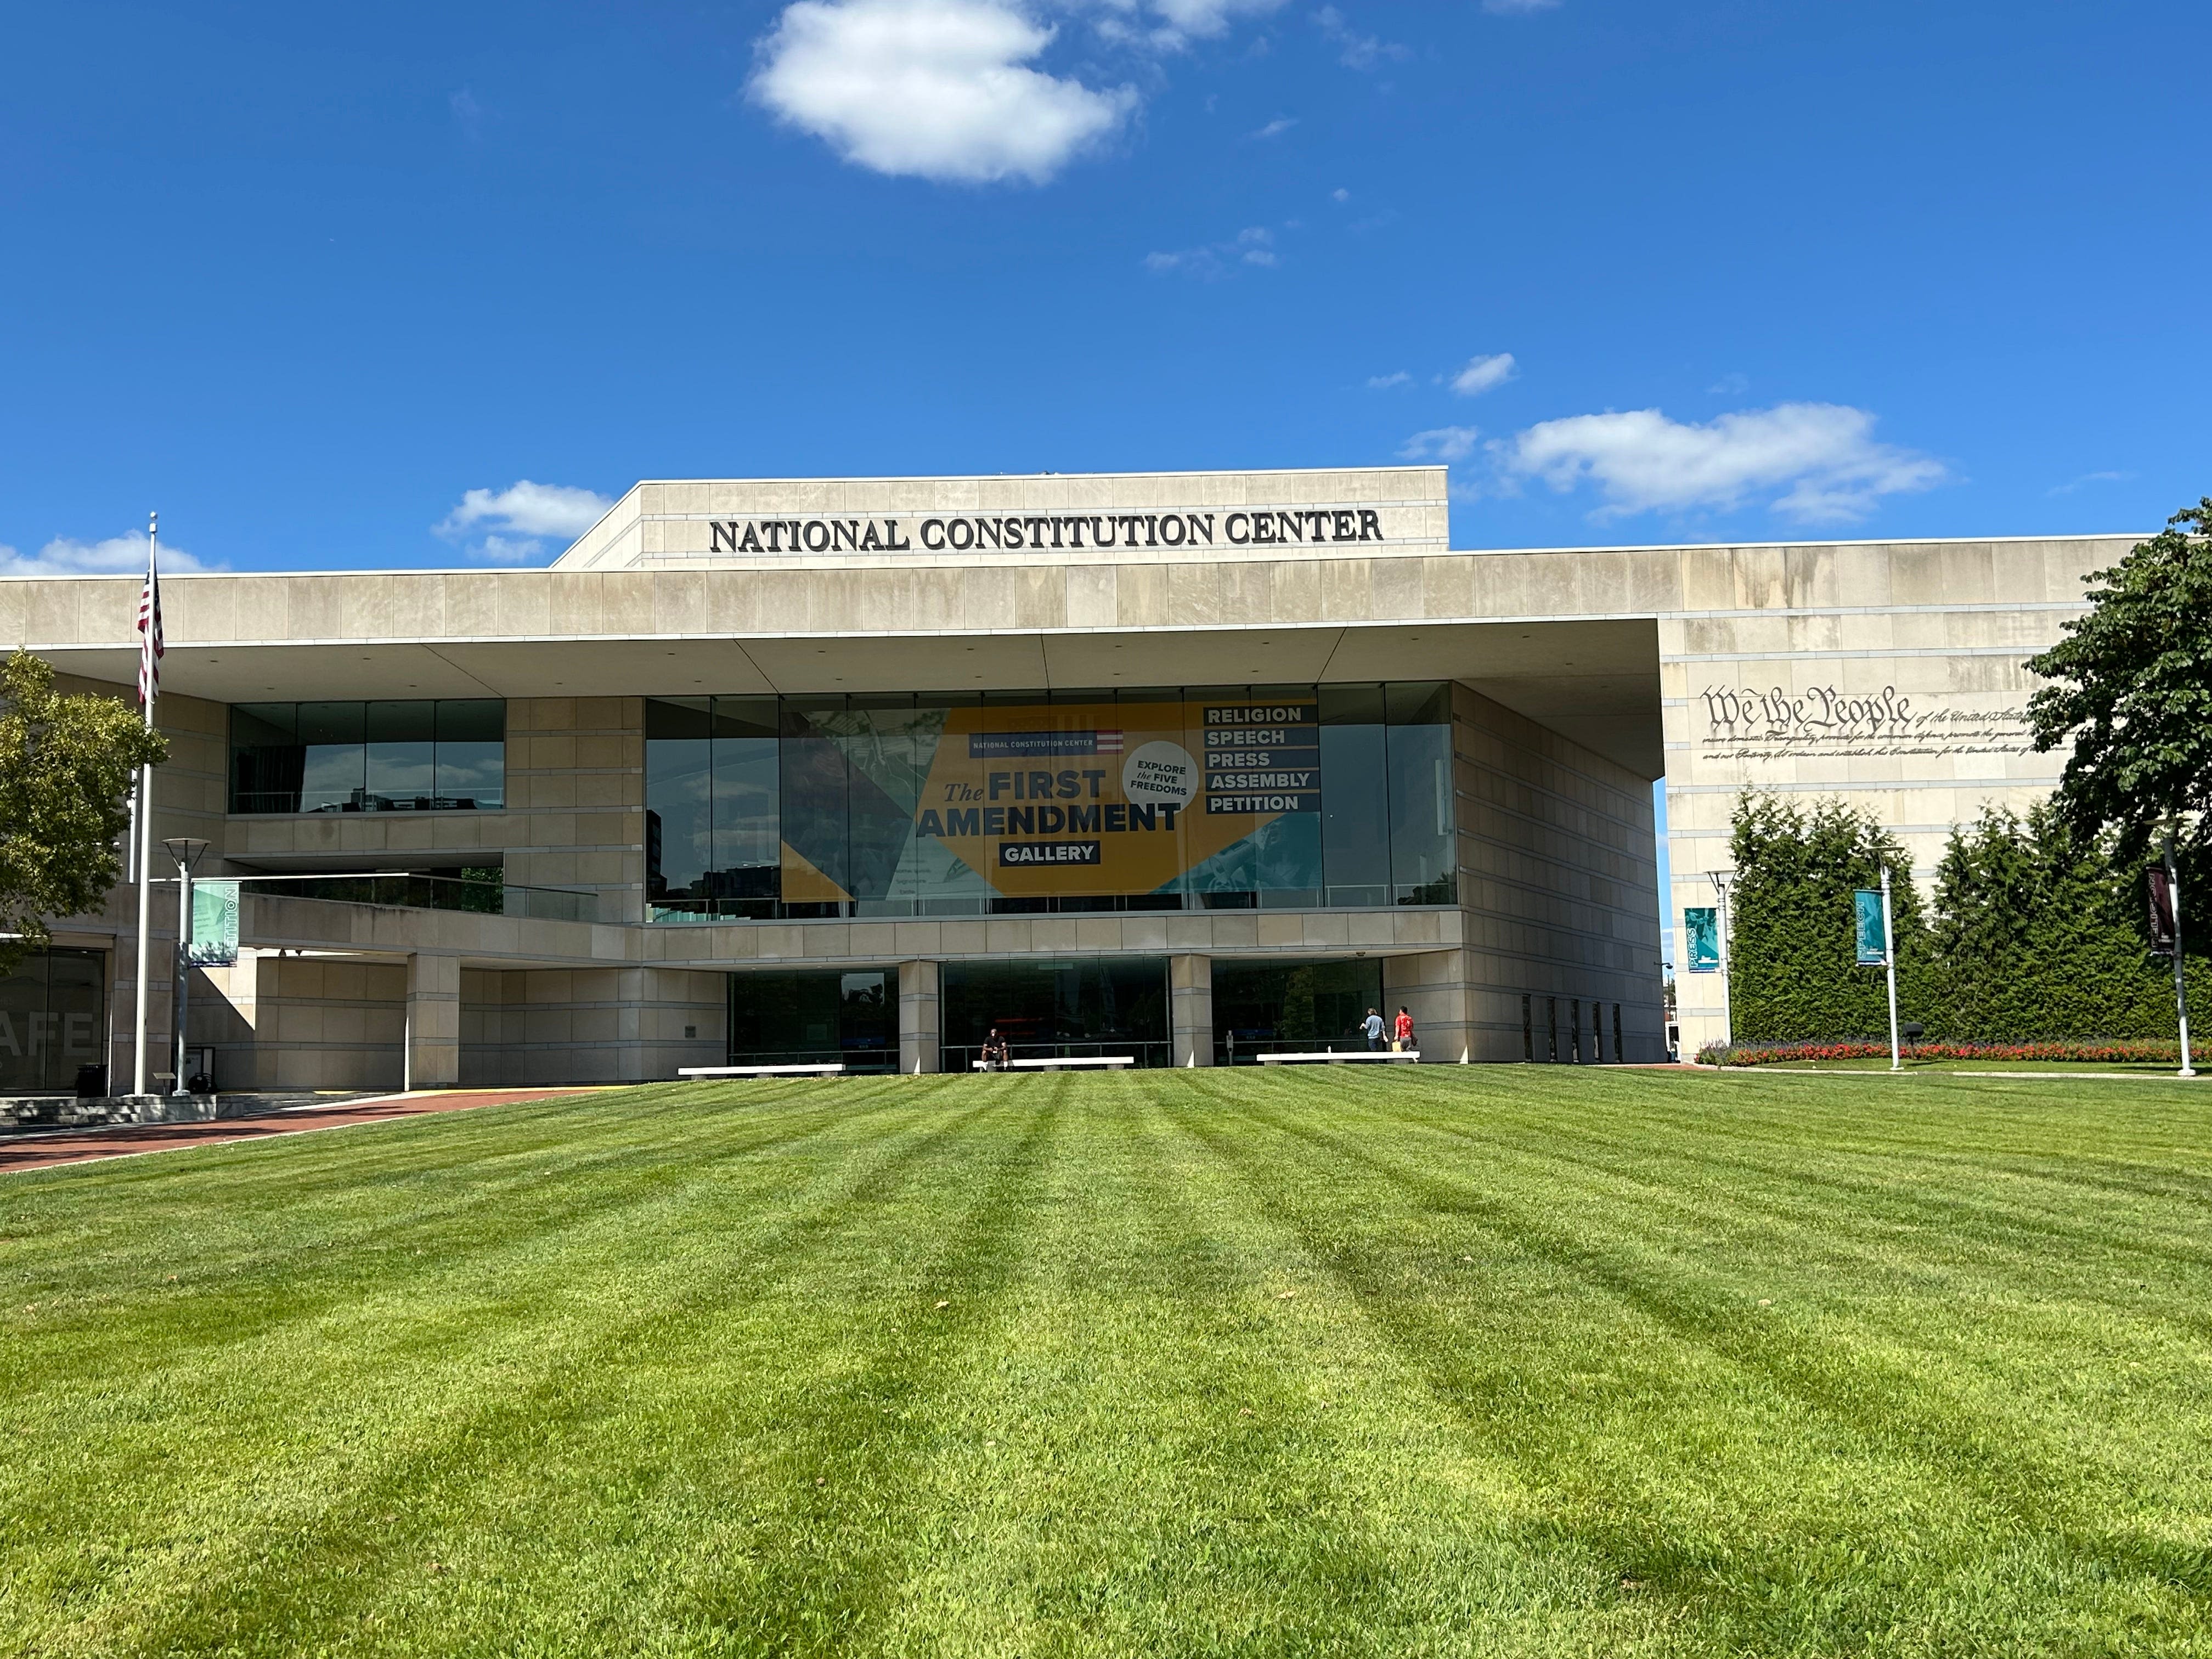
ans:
x=995 y=1053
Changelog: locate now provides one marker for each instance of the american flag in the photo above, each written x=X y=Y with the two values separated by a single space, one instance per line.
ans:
x=1110 y=743
x=149 y=630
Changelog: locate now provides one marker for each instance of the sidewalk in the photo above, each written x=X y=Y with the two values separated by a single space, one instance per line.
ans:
x=60 y=1147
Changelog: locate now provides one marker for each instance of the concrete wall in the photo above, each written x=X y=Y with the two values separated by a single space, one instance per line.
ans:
x=589 y=1025
x=1791 y=640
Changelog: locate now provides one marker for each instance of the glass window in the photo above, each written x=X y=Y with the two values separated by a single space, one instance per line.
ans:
x=1278 y=1007
x=412 y=755
x=264 y=757
x=814 y=1016
x=678 y=821
x=1423 y=846
x=744 y=873
x=1355 y=795
x=471 y=761
x=403 y=772
x=331 y=761
x=52 y=1010
x=1057 y=802
x=1048 y=1008
x=811 y=784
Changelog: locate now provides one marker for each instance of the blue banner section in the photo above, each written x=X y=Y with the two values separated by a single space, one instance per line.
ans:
x=1874 y=938
x=1701 y=938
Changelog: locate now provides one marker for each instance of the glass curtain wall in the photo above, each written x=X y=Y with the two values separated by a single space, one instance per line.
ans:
x=814 y=1016
x=52 y=1020
x=404 y=755
x=1054 y=1009
x=1288 y=1007
x=1200 y=797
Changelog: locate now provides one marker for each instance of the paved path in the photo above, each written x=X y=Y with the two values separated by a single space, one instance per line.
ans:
x=51 y=1149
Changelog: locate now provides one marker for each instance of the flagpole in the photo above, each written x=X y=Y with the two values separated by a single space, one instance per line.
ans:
x=143 y=828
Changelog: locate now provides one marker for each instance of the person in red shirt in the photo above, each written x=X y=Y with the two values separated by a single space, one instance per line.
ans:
x=1402 y=1033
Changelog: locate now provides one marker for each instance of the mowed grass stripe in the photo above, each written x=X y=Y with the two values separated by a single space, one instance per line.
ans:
x=670 y=1377
x=458 y=1357
x=1891 y=1406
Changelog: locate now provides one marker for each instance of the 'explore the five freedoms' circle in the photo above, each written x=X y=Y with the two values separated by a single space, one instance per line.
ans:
x=1160 y=774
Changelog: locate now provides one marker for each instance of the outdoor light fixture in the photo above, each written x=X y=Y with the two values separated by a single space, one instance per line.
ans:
x=187 y=851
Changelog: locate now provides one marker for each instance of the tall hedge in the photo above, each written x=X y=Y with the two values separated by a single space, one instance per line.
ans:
x=2036 y=936
x=1793 y=970
x=2031 y=937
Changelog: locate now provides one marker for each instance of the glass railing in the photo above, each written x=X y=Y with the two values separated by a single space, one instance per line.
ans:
x=489 y=898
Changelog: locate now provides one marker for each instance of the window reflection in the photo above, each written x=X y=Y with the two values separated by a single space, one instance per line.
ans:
x=1290 y=797
x=400 y=755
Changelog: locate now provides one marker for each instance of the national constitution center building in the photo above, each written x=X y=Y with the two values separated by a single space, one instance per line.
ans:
x=1183 y=766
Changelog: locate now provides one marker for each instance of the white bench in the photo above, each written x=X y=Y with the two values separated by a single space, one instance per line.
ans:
x=1112 y=1062
x=1347 y=1056
x=828 y=1068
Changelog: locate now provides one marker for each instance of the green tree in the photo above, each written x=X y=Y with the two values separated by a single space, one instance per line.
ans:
x=1793 y=970
x=2130 y=686
x=2035 y=935
x=65 y=769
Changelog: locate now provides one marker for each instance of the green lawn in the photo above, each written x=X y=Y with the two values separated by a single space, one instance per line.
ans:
x=1480 y=1361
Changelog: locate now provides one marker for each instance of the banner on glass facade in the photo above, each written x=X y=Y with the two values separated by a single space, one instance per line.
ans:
x=945 y=803
x=1077 y=798
x=214 y=943
x=1701 y=937
x=1872 y=937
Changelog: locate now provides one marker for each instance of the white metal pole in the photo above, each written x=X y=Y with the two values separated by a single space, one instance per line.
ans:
x=1727 y=1002
x=144 y=829
x=1889 y=959
x=2180 y=976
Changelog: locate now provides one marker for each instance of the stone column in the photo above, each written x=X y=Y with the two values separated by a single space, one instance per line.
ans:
x=1433 y=987
x=1190 y=1009
x=433 y=1057
x=919 y=1029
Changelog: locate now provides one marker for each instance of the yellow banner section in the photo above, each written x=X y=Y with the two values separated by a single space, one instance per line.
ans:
x=1092 y=799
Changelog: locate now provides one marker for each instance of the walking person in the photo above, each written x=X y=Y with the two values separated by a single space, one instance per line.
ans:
x=1371 y=1028
x=1402 y=1035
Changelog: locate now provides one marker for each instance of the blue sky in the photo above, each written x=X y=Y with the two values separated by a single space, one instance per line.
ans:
x=306 y=277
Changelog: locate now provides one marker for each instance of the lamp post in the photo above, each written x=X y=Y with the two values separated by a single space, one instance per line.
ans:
x=1720 y=880
x=187 y=851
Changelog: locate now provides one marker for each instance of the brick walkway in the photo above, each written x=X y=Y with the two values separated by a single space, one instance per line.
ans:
x=51 y=1149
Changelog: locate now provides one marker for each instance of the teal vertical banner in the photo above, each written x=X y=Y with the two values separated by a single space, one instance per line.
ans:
x=1874 y=939
x=1701 y=938
x=214 y=943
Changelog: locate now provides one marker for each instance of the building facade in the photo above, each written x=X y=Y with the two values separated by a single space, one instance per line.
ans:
x=1183 y=766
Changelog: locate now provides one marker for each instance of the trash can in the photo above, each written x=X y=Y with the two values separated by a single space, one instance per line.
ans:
x=91 y=1083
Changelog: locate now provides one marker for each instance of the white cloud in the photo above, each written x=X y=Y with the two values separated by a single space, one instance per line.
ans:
x=1384 y=382
x=1518 y=8
x=2073 y=484
x=1354 y=49
x=1482 y=373
x=934 y=89
x=1253 y=245
x=1204 y=19
x=1822 y=456
x=118 y=556
x=1340 y=195
x=1276 y=128
x=1442 y=443
x=513 y=519
x=1730 y=385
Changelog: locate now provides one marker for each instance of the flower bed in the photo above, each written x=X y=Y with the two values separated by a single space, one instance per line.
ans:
x=2094 y=1051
